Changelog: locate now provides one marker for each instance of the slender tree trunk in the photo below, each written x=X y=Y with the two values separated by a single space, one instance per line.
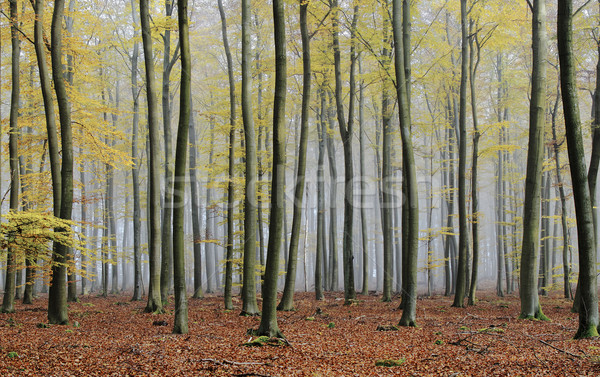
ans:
x=166 y=268
x=346 y=132
x=180 y=324
x=8 y=300
x=463 y=238
x=249 y=303
x=386 y=172
x=196 y=213
x=530 y=306
x=588 y=307
x=363 y=184
x=333 y=283
x=230 y=189
x=57 y=299
x=135 y=172
x=268 y=321
x=287 y=300
x=154 y=247
x=474 y=57
x=320 y=276
x=411 y=226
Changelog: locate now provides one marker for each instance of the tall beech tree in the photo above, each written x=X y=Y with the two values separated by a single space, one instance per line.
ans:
x=154 y=300
x=180 y=324
x=57 y=299
x=588 y=306
x=249 y=303
x=8 y=300
x=411 y=201
x=346 y=128
x=463 y=237
x=287 y=300
x=268 y=321
x=231 y=173
x=530 y=305
x=135 y=167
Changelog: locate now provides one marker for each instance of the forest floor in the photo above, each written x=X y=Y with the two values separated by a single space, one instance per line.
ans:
x=113 y=336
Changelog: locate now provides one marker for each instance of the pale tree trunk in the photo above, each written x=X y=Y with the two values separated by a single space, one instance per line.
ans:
x=135 y=172
x=474 y=58
x=411 y=226
x=530 y=305
x=463 y=230
x=166 y=268
x=209 y=249
x=563 y=204
x=333 y=281
x=111 y=202
x=231 y=172
x=8 y=300
x=154 y=300
x=249 y=303
x=346 y=132
x=180 y=324
x=287 y=300
x=363 y=184
x=386 y=168
x=588 y=306
x=196 y=213
x=57 y=299
x=321 y=261
x=268 y=321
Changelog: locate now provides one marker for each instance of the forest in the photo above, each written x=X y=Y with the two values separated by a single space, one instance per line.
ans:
x=321 y=187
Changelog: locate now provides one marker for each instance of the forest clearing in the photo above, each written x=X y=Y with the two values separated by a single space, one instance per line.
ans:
x=113 y=336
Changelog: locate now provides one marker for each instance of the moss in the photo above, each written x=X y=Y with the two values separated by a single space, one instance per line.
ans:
x=330 y=325
x=589 y=331
x=12 y=355
x=389 y=363
x=264 y=340
x=310 y=318
x=439 y=342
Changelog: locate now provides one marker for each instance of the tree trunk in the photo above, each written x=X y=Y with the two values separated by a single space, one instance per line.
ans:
x=154 y=300
x=8 y=300
x=321 y=253
x=180 y=324
x=346 y=132
x=135 y=172
x=249 y=303
x=530 y=306
x=463 y=238
x=411 y=226
x=268 y=321
x=474 y=57
x=166 y=268
x=363 y=184
x=588 y=307
x=57 y=299
x=287 y=300
x=196 y=214
x=333 y=281
x=230 y=189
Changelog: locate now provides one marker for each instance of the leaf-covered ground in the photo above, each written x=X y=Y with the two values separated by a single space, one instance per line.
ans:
x=113 y=336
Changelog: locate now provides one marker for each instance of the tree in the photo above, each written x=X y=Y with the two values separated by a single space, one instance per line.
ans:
x=463 y=238
x=249 y=304
x=411 y=226
x=268 y=321
x=346 y=131
x=230 y=187
x=530 y=306
x=196 y=214
x=588 y=307
x=135 y=172
x=8 y=300
x=57 y=299
x=180 y=325
x=287 y=300
x=154 y=300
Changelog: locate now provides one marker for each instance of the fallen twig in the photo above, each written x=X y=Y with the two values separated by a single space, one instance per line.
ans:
x=560 y=350
x=227 y=362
